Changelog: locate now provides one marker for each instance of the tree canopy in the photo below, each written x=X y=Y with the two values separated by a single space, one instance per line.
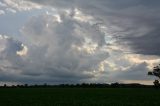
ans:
x=155 y=72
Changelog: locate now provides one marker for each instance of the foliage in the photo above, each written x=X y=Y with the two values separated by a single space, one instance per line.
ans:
x=155 y=72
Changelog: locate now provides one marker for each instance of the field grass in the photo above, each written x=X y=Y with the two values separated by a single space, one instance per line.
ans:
x=79 y=97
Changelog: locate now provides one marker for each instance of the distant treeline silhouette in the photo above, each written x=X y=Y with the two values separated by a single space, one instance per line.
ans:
x=83 y=85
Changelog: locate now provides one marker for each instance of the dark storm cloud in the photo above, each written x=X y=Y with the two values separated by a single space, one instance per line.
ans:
x=65 y=46
x=137 y=20
x=147 y=44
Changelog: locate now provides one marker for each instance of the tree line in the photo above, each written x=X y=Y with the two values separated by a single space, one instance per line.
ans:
x=82 y=85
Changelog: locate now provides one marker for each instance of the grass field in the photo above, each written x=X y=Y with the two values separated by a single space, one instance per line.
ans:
x=79 y=97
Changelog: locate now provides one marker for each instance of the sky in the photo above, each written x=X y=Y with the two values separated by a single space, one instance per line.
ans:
x=78 y=41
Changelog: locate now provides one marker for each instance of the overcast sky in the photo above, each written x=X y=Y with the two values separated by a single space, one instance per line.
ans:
x=76 y=41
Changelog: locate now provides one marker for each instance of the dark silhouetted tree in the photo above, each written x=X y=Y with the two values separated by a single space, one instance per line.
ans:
x=156 y=83
x=155 y=72
x=5 y=85
x=25 y=85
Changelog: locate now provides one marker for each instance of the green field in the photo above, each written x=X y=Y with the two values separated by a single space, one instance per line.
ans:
x=79 y=97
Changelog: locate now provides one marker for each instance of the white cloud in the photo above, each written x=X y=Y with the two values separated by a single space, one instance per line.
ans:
x=60 y=42
x=22 y=52
x=21 y=5
x=11 y=10
x=2 y=12
x=51 y=51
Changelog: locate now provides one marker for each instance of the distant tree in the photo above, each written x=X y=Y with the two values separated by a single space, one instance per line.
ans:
x=5 y=85
x=45 y=85
x=25 y=85
x=156 y=83
x=155 y=72
x=115 y=85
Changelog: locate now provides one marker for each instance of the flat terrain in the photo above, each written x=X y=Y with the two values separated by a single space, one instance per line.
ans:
x=79 y=97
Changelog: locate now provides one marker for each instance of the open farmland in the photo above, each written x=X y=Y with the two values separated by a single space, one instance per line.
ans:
x=79 y=97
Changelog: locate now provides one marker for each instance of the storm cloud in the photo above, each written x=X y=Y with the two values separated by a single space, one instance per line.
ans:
x=72 y=41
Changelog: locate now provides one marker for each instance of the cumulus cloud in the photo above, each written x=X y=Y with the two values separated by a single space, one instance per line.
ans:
x=69 y=48
x=62 y=51
x=135 y=22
